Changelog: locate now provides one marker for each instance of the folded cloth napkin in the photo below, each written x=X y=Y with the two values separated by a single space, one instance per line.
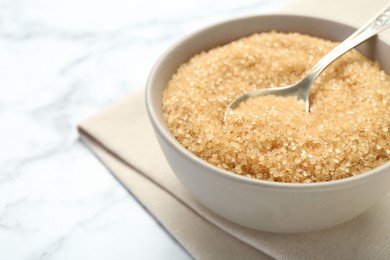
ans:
x=122 y=137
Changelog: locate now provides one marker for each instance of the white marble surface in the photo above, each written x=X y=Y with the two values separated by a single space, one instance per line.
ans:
x=61 y=61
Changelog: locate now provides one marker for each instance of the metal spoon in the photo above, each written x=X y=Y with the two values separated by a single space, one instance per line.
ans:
x=301 y=89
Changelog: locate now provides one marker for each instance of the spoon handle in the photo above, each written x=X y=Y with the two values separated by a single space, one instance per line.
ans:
x=378 y=23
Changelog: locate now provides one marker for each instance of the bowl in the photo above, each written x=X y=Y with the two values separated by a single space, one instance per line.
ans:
x=264 y=205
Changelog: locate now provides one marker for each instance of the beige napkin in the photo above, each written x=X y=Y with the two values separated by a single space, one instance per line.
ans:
x=121 y=136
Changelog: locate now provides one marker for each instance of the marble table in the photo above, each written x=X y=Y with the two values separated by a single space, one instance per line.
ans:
x=61 y=61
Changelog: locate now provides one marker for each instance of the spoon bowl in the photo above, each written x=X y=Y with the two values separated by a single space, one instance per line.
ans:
x=301 y=89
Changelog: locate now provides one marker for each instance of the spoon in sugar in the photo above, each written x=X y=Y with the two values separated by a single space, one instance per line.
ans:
x=301 y=89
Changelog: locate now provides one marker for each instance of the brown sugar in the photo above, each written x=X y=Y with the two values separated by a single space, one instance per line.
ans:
x=273 y=138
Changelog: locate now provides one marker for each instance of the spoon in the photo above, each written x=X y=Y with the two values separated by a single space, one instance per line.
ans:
x=301 y=89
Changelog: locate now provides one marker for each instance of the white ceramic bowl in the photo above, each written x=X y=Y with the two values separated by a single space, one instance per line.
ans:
x=264 y=205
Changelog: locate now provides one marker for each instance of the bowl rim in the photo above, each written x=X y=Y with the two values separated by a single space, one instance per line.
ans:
x=169 y=139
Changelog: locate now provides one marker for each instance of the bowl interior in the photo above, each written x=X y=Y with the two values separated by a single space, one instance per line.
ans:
x=225 y=32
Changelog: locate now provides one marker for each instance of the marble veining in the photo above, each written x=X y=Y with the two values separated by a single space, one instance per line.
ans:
x=61 y=61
